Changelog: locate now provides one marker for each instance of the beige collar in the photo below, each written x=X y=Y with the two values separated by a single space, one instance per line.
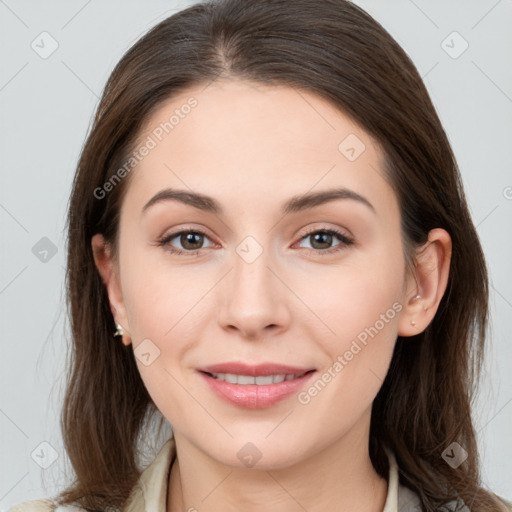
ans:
x=150 y=493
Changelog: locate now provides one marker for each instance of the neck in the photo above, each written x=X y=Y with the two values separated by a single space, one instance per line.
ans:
x=340 y=477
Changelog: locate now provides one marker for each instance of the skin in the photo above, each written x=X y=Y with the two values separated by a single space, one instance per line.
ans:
x=252 y=147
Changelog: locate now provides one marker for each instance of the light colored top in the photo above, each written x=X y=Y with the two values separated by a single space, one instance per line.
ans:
x=150 y=492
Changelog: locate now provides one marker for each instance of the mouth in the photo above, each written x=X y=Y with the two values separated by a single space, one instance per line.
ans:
x=255 y=391
x=259 y=380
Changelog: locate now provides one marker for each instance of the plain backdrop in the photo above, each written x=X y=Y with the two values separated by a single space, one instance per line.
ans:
x=463 y=50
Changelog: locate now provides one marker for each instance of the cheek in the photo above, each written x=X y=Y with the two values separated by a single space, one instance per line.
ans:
x=361 y=307
x=161 y=298
x=162 y=308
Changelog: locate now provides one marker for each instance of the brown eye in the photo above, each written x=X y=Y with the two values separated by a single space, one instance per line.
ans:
x=322 y=240
x=191 y=241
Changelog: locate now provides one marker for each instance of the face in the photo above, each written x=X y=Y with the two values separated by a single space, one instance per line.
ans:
x=318 y=286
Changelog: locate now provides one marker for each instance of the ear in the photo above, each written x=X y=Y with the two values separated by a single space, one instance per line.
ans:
x=108 y=270
x=431 y=271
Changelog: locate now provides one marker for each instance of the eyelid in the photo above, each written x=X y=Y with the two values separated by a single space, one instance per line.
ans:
x=336 y=230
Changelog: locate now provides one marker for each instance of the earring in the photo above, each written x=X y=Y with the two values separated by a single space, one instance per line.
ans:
x=119 y=330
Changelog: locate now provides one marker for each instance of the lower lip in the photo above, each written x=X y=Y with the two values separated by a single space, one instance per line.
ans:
x=254 y=396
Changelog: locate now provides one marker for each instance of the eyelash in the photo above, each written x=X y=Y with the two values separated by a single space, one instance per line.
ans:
x=346 y=241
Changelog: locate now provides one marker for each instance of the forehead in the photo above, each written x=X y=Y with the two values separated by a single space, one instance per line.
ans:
x=254 y=141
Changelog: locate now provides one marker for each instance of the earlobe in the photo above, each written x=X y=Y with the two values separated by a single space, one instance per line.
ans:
x=107 y=270
x=428 y=285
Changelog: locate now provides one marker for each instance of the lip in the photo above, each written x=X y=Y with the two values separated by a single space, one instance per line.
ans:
x=254 y=396
x=262 y=369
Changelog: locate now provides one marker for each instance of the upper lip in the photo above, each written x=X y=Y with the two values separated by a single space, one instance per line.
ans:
x=262 y=369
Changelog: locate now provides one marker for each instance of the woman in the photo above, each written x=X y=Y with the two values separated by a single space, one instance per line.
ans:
x=337 y=374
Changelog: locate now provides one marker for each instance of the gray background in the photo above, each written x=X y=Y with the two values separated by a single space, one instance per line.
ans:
x=47 y=106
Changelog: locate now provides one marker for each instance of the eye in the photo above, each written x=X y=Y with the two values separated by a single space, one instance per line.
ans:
x=323 y=238
x=191 y=240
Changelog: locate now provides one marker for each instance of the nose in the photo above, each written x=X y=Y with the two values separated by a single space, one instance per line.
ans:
x=254 y=301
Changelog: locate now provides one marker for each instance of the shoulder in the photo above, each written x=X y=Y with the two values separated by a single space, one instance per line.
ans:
x=33 y=506
x=507 y=505
x=44 y=505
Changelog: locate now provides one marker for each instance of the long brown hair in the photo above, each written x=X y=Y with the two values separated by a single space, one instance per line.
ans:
x=337 y=51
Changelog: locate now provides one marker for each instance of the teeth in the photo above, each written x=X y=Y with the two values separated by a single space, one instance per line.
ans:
x=247 y=379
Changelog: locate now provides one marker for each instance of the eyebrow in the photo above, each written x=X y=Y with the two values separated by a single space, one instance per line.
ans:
x=293 y=205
